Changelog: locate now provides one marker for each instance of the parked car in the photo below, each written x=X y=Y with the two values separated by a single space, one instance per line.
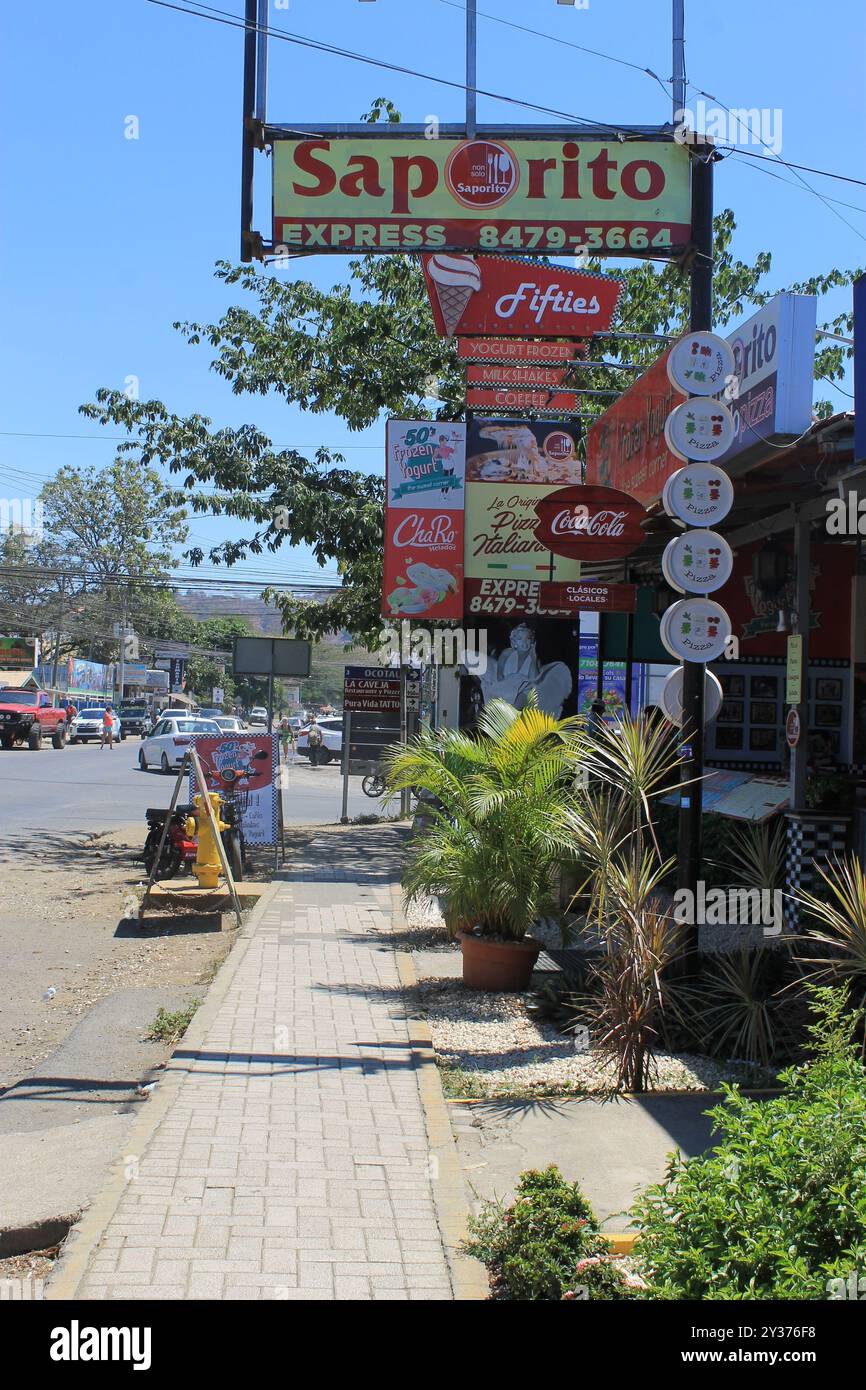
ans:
x=170 y=739
x=87 y=725
x=332 y=738
x=26 y=716
x=133 y=718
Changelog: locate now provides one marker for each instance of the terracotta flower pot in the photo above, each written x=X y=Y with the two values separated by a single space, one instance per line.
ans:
x=503 y=966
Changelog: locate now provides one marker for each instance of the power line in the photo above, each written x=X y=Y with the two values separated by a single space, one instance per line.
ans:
x=214 y=15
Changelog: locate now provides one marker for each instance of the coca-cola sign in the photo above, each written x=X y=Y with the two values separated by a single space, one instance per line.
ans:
x=507 y=295
x=590 y=523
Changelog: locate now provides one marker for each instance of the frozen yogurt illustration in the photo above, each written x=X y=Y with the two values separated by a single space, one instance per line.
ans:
x=456 y=279
x=428 y=587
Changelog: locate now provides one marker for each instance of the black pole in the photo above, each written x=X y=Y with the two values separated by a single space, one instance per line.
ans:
x=250 y=35
x=700 y=318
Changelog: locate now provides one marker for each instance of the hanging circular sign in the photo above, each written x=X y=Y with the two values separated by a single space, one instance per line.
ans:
x=792 y=728
x=699 y=495
x=700 y=363
x=697 y=562
x=671 y=697
x=700 y=429
x=589 y=523
x=695 y=629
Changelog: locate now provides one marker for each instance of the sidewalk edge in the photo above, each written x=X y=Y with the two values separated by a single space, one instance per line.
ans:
x=450 y=1195
x=88 y=1231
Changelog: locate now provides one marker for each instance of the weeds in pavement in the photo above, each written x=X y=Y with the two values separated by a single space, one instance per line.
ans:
x=170 y=1028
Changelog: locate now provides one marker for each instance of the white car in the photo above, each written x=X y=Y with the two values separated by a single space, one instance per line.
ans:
x=230 y=724
x=258 y=715
x=87 y=725
x=170 y=739
x=332 y=738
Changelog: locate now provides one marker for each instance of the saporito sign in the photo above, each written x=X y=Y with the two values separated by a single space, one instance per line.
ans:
x=391 y=194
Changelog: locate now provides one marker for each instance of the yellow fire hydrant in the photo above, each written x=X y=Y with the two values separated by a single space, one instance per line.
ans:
x=207 y=861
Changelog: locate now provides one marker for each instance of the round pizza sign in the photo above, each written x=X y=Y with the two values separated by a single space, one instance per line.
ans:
x=697 y=562
x=699 y=495
x=700 y=363
x=700 y=429
x=695 y=629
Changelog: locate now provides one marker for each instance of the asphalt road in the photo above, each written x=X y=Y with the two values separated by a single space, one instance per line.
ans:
x=86 y=788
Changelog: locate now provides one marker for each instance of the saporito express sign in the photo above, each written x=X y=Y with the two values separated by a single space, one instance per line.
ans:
x=383 y=193
x=503 y=294
x=589 y=523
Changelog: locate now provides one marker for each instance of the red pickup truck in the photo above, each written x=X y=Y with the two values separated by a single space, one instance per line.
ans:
x=28 y=715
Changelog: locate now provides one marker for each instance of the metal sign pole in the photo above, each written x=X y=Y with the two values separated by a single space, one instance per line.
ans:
x=678 y=89
x=692 y=765
x=471 y=67
x=347 y=736
x=168 y=815
x=404 y=795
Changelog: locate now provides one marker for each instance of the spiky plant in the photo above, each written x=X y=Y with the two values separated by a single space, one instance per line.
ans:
x=843 y=917
x=744 y=1010
x=494 y=849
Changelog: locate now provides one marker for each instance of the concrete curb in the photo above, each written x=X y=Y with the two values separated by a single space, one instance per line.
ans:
x=86 y=1235
x=468 y=1277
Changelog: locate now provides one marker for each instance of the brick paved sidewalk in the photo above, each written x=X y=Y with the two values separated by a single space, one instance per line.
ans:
x=292 y=1159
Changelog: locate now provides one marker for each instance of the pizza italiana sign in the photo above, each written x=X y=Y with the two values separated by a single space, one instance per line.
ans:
x=374 y=193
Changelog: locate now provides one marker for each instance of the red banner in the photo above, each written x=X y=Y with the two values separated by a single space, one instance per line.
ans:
x=589 y=523
x=509 y=398
x=502 y=294
x=518 y=350
x=423 y=572
x=582 y=596
x=626 y=448
x=502 y=374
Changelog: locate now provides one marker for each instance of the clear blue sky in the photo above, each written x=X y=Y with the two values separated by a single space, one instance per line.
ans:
x=108 y=240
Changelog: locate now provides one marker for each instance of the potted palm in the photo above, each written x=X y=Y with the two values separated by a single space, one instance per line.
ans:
x=505 y=825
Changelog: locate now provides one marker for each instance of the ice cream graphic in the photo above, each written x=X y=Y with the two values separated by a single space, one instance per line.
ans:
x=428 y=588
x=456 y=279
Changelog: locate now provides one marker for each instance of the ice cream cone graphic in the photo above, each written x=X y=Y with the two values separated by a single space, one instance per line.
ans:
x=456 y=279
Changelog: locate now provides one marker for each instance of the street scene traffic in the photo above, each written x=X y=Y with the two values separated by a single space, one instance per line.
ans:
x=432 y=672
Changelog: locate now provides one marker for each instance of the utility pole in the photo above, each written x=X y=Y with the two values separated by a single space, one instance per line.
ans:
x=249 y=104
x=700 y=318
x=57 y=642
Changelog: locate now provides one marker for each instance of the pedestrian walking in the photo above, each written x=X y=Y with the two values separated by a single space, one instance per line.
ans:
x=287 y=740
x=314 y=739
x=107 y=728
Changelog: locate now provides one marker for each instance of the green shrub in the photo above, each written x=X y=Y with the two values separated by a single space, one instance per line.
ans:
x=778 y=1208
x=531 y=1248
x=603 y=1276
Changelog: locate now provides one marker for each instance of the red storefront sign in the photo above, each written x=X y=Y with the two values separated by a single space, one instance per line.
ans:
x=546 y=598
x=626 y=448
x=582 y=596
x=518 y=350
x=589 y=523
x=423 y=570
x=512 y=398
x=502 y=374
x=501 y=294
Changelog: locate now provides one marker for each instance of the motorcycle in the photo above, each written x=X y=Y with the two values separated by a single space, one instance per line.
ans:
x=180 y=848
x=374 y=784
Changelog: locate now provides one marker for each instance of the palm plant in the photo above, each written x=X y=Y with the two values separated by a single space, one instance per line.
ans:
x=506 y=794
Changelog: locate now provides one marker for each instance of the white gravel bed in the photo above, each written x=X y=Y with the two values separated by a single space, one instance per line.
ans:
x=502 y=1049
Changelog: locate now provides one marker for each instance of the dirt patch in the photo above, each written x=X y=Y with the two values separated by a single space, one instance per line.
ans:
x=23 y=1277
x=69 y=938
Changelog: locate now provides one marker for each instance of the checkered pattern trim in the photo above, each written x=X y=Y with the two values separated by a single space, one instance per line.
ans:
x=809 y=842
